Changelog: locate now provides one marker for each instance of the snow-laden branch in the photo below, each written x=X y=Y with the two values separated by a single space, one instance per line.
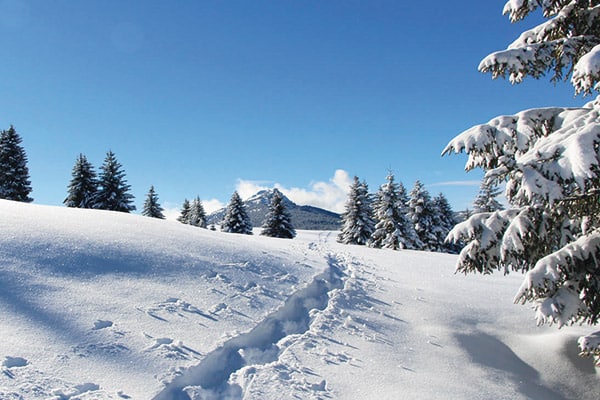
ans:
x=564 y=284
x=543 y=154
x=586 y=72
x=519 y=9
x=564 y=44
x=590 y=346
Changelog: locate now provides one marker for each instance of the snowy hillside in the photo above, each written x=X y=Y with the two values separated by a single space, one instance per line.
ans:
x=103 y=305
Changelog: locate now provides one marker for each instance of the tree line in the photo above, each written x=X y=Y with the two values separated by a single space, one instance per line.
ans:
x=396 y=219
x=391 y=218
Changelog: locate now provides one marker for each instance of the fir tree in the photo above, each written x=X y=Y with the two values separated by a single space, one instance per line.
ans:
x=393 y=230
x=486 y=199
x=14 y=174
x=81 y=192
x=184 y=217
x=197 y=215
x=278 y=221
x=357 y=220
x=421 y=213
x=443 y=222
x=408 y=230
x=548 y=158
x=236 y=218
x=113 y=191
x=152 y=207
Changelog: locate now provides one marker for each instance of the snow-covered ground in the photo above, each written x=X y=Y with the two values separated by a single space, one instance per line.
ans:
x=102 y=305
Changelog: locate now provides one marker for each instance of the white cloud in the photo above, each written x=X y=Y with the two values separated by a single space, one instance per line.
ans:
x=212 y=205
x=331 y=195
x=247 y=189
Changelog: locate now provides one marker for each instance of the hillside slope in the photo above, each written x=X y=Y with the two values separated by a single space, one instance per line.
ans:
x=101 y=305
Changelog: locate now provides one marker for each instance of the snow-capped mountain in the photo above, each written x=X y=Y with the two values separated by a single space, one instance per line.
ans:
x=303 y=217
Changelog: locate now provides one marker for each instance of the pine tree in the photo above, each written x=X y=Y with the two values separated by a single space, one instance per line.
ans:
x=184 y=217
x=549 y=160
x=421 y=213
x=197 y=215
x=357 y=220
x=113 y=191
x=152 y=207
x=278 y=222
x=443 y=222
x=236 y=218
x=393 y=230
x=408 y=230
x=81 y=192
x=486 y=199
x=14 y=174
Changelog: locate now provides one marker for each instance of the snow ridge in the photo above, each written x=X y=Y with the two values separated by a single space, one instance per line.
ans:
x=209 y=379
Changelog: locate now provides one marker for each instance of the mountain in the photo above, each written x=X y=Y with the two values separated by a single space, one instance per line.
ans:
x=303 y=217
x=109 y=306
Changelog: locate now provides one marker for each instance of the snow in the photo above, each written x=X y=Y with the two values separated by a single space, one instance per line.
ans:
x=587 y=71
x=106 y=305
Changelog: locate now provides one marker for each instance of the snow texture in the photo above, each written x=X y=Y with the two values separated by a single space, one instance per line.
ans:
x=103 y=305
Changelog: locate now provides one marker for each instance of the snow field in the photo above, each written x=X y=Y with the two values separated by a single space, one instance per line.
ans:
x=100 y=305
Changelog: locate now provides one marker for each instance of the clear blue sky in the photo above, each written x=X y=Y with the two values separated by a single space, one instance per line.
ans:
x=201 y=97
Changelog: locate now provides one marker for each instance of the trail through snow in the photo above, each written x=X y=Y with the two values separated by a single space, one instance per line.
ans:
x=259 y=346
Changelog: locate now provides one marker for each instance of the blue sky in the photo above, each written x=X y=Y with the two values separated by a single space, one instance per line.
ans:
x=206 y=97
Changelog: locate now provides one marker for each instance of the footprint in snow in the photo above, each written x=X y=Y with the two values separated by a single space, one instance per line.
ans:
x=101 y=324
x=13 y=362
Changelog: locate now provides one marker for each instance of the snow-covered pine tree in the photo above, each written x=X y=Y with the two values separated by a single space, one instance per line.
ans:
x=197 y=215
x=152 y=207
x=184 y=217
x=408 y=229
x=278 y=222
x=486 y=198
x=236 y=218
x=421 y=213
x=14 y=174
x=357 y=220
x=81 y=192
x=113 y=190
x=548 y=158
x=393 y=230
x=444 y=221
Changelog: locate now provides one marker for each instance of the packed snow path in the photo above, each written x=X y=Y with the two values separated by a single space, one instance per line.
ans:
x=259 y=346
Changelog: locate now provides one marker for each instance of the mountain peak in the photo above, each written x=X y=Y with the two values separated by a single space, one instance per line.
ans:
x=303 y=217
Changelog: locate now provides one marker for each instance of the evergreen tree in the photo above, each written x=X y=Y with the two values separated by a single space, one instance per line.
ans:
x=278 y=222
x=81 y=192
x=184 y=217
x=549 y=159
x=236 y=218
x=14 y=174
x=152 y=207
x=408 y=230
x=444 y=221
x=357 y=220
x=197 y=215
x=113 y=191
x=393 y=230
x=486 y=199
x=421 y=213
